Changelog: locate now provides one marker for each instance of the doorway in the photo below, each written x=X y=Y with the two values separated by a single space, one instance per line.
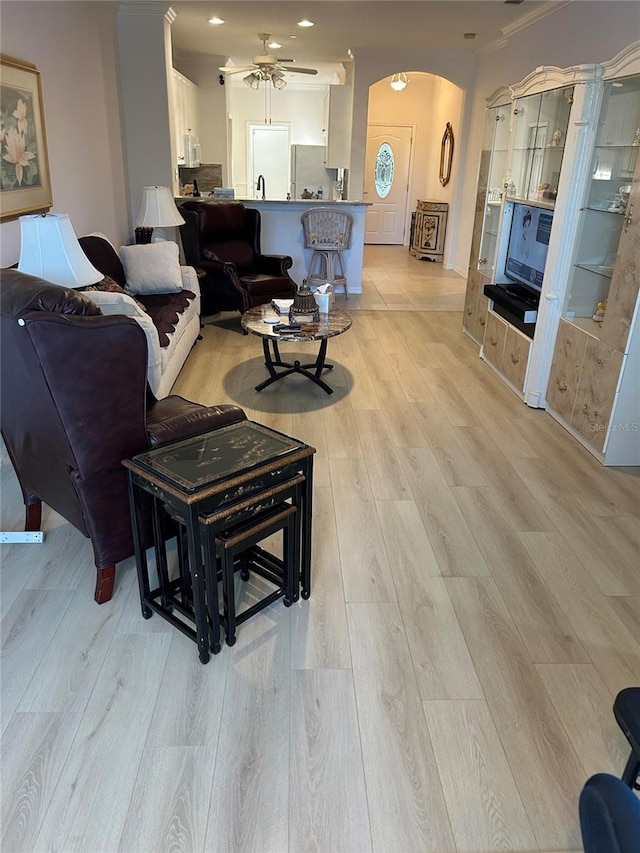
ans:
x=268 y=155
x=386 y=184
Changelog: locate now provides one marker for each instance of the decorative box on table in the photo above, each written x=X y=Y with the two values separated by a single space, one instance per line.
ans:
x=305 y=308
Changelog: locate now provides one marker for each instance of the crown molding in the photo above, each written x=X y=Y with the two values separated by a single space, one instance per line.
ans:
x=534 y=16
x=151 y=10
x=492 y=47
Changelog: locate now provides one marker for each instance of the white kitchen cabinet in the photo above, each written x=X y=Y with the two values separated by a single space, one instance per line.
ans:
x=185 y=112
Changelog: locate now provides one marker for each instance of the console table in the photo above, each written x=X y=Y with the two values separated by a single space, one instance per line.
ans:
x=429 y=230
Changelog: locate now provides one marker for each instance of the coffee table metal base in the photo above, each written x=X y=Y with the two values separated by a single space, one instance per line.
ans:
x=275 y=360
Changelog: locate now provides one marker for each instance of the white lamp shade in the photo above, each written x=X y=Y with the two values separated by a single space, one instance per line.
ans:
x=49 y=249
x=158 y=209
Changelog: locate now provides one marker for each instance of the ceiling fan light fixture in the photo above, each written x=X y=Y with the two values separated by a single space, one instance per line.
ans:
x=278 y=82
x=399 y=81
x=252 y=80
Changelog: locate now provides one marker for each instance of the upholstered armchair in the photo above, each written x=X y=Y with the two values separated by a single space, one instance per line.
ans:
x=223 y=239
x=74 y=404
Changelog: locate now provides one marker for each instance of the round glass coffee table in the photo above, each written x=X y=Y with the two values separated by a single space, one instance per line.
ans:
x=331 y=324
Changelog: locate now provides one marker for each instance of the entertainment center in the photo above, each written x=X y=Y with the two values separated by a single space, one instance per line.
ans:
x=552 y=291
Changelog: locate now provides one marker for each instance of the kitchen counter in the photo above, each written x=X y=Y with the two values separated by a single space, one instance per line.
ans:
x=282 y=233
x=305 y=201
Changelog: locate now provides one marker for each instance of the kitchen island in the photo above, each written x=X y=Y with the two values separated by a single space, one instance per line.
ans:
x=282 y=234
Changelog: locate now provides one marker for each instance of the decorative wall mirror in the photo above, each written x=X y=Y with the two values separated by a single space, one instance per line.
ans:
x=446 y=155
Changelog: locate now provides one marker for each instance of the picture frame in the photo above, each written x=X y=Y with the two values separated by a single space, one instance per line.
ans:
x=25 y=183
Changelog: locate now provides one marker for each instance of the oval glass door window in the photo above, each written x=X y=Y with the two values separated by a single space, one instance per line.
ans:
x=384 y=170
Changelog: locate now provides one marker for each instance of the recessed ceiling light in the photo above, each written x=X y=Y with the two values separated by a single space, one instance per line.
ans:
x=469 y=35
x=274 y=44
x=305 y=23
x=216 y=21
x=293 y=37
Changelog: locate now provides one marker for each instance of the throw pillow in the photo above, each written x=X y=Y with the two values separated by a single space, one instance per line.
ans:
x=120 y=303
x=108 y=285
x=152 y=267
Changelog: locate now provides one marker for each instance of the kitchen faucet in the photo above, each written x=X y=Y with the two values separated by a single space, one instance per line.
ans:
x=261 y=182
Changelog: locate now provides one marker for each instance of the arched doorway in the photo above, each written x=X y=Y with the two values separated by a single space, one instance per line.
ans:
x=414 y=120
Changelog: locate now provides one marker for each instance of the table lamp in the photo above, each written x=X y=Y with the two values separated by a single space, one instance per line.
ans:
x=158 y=210
x=50 y=250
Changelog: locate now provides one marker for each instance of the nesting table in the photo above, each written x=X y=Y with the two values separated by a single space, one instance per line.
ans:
x=214 y=482
x=334 y=323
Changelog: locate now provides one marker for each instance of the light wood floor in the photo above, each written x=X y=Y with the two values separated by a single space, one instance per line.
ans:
x=447 y=687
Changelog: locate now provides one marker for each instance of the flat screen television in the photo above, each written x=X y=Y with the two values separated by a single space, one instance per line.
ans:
x=528 y=245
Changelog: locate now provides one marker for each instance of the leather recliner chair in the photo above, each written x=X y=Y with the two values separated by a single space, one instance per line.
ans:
x=223 y=239
x=74 y=404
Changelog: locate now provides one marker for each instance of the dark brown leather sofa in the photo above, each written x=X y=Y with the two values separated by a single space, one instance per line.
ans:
x=223 y=239
x=74 y=404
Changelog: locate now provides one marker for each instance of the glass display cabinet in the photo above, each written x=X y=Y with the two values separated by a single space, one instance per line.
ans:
x=540 y=123
x=606 y=206
x=498 y=120
x=491 y=177
x=557 y=213
x=593 y=384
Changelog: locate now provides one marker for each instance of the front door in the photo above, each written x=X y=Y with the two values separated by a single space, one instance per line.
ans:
x=269 y=147
x=386 y=183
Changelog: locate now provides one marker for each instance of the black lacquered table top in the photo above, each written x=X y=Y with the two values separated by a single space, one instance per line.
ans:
x=215 y=456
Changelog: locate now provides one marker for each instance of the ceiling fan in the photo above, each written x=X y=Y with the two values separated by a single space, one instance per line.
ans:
x=266 y=67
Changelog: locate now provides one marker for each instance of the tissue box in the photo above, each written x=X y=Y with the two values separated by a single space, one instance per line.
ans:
x=324 y=290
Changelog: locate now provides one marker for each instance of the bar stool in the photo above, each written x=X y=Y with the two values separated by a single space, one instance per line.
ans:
x=327 y=231
x=238 y=549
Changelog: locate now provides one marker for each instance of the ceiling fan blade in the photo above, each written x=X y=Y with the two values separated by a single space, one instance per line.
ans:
x=236 y=69
x=301 y=70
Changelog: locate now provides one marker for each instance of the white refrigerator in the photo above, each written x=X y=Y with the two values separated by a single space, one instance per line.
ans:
x=308 y=171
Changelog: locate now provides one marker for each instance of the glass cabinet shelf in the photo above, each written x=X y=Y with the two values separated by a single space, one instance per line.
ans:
x=597 y=269
x=604 y=210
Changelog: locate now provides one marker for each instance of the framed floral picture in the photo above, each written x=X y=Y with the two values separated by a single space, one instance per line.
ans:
x=25 y=185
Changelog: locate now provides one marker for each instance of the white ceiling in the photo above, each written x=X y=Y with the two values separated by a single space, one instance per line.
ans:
x=342 y=25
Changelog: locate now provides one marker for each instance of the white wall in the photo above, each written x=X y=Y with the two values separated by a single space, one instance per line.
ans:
x=72 y=44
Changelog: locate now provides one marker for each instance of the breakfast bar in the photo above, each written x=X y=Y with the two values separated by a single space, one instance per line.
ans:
x=282 y=234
